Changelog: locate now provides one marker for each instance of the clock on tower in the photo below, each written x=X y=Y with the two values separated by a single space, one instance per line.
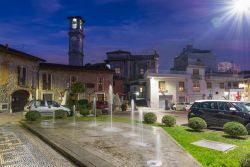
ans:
x=76 y=40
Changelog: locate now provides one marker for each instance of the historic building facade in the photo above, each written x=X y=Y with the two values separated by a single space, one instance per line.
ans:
x=55 y=81
x=129 y=72
x=24 y=77
x=18 y=78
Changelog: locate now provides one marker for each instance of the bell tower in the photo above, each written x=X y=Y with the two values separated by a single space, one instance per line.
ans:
x=76 y=37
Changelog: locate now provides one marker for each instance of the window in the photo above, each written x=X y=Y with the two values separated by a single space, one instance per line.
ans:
x=40 y=103
x=162 y=85
x=100 y=97
x=100 y=84
x=213 y=105
x=235 y=85
x=224 y=106
x=229 y=84
x=222 y=86
x=74 y=23
x=22 y=76
x=196 y=86
x=181 y=86
x=209 y=85
x=118 y=71
x=48 y=96
x=142 y=71
x=53 y=104
x=47 y=81
x=141 y=89
x=196 y=72
x=73 y=79
x=196 y=105
x=205 y=105
x=182 y=100
x=90 y=85
x=209 y=105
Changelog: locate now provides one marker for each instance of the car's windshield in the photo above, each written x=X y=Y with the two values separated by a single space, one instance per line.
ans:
x=241 y=106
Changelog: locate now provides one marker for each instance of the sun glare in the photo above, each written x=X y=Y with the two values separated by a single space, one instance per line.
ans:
x=241 y=6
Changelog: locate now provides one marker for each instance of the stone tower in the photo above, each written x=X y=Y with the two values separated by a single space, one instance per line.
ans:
x=76 y=37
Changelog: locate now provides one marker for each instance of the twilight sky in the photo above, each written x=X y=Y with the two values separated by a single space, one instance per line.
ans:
x=40 y=27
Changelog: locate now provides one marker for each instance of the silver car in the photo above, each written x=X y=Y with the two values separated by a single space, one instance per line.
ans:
x=46 y=108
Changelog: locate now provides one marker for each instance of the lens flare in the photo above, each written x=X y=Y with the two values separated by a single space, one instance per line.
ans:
x=241 y=6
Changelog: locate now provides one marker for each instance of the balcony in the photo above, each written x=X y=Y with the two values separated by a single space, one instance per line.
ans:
x=196 y=77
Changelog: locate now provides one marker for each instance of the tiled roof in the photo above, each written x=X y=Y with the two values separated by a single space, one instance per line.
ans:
x=7 y=49
x=96 y=67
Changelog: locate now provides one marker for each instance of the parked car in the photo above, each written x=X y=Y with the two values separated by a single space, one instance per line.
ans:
x=218 y=112
x=102 y=105
x=46 y=108
x=181 y=106
x=247 y=104
x=188 y=106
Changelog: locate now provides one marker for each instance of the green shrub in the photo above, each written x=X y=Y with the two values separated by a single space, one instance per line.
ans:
x=150 y=118
x=84 y=111
x=32 y=115
x=70 y=103
x=98 y=112
x=197 y=123
x=59 y=114
x=235 y=129
x=169 y=120
x=124 y=107
x=245 y=161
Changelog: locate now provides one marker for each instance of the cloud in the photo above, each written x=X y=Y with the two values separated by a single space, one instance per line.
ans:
x=47 y=6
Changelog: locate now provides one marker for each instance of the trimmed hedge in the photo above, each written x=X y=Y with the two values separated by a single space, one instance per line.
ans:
x=59 y=114
x=84 y=111
x=124 y=107
x=32 y=115
x=245 y=161
x=235 y=129
x=150 y=118
x=169 y=120
x=197 y=123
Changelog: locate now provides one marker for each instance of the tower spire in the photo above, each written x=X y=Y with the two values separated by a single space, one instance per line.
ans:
x=76 y=37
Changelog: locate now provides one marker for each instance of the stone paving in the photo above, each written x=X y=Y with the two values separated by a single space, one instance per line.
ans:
x=96 y=146
x=20 y=148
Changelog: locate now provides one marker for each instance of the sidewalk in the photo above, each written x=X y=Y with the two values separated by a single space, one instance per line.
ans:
x=10 y=117
x=19 y=148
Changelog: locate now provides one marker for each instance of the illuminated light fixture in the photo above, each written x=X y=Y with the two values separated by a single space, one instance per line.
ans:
x=137 y=93
x=241 y=85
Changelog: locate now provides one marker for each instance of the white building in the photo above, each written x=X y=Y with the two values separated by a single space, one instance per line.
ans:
x=190 y=85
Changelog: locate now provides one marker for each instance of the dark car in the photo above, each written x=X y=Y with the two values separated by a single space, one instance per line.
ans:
x=218 y=112
x=102 y=105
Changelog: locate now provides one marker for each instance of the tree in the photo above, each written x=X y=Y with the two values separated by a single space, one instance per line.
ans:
x=77 y=88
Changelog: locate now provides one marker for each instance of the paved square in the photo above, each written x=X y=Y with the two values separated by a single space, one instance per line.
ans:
x=219 y=146
x=18 y=148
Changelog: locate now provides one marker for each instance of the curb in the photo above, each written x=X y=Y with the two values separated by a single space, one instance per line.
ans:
x=198 y=163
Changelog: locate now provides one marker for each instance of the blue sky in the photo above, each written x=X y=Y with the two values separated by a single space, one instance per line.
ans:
x=140 y=26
